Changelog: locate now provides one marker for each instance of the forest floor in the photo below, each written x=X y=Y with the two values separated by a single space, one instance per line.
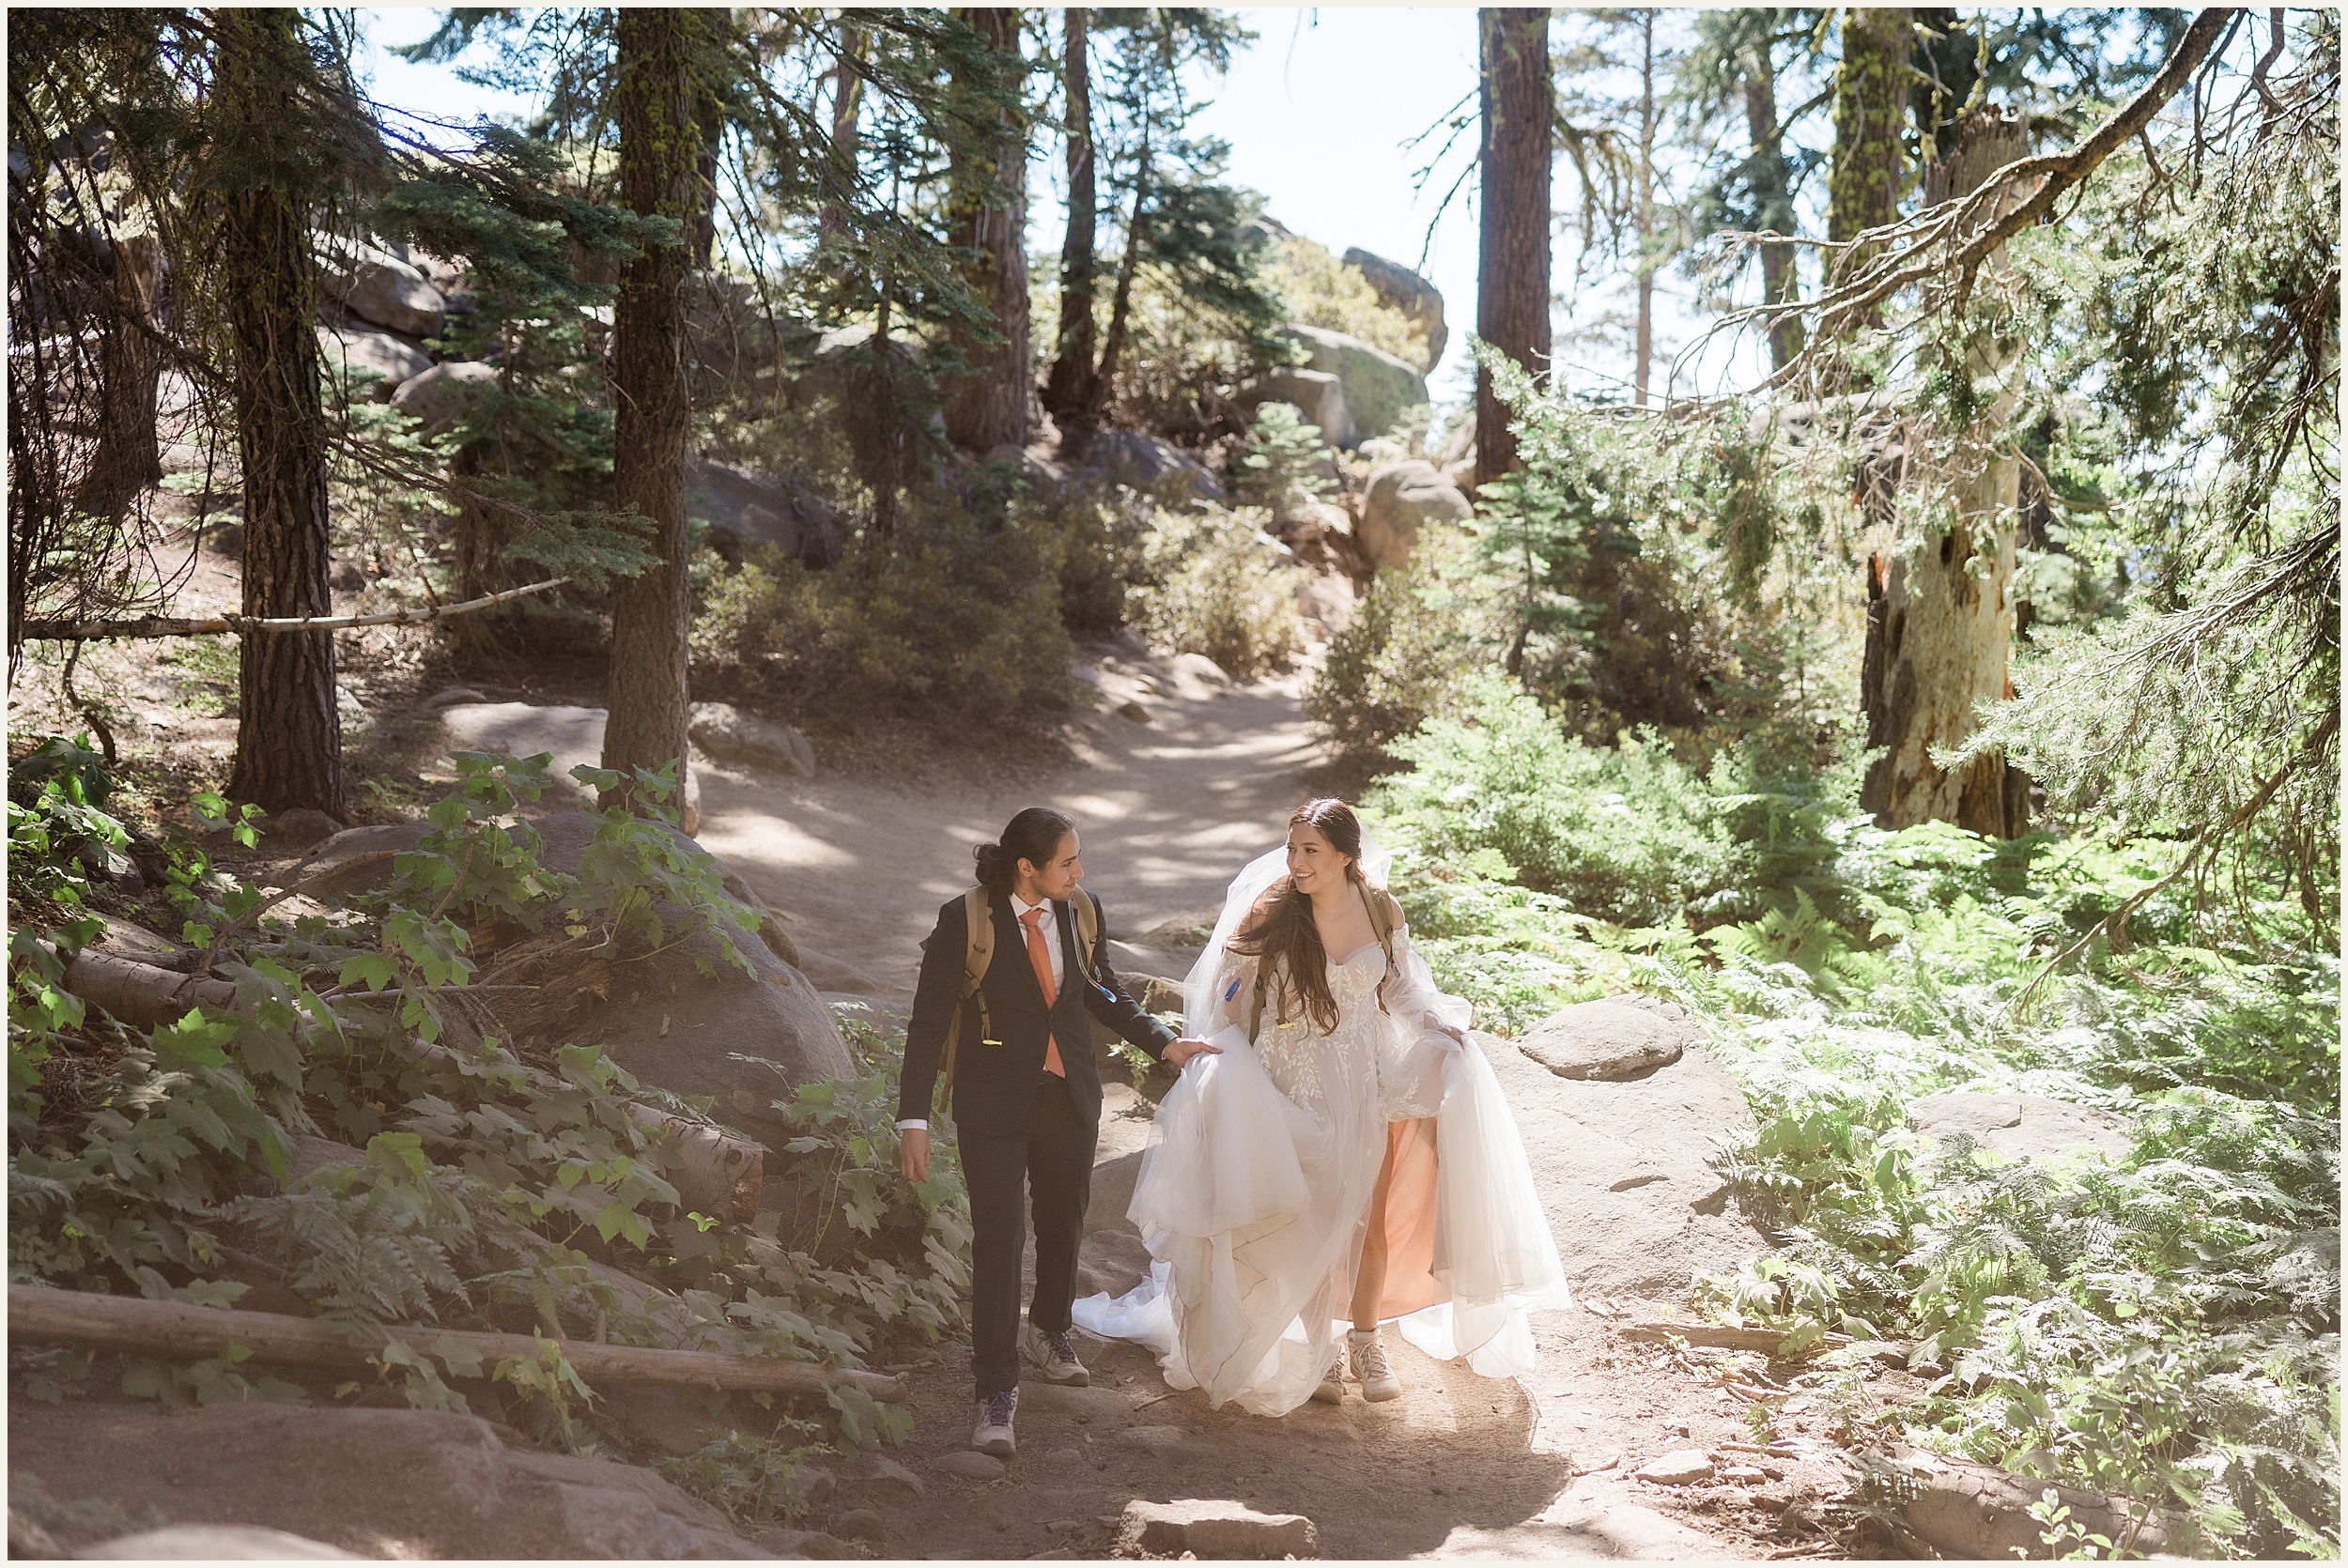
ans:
x=859 y=858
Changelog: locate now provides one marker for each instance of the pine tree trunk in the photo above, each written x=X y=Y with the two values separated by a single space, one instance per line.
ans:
x=1065 y=393
x=847 y=93
x=660 y=148
x=1781 y=283
x=1941 y=613
x=1646 y=348
x=128 y=458
x=1870 y=169
x=1103 y=383
x=289 y=750
x=1512 y=263
x=988 y=204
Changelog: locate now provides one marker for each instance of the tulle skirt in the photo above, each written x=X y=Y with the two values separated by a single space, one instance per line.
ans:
x=1254 y=1209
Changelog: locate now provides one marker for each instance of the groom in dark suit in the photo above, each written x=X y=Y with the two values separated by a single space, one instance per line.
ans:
x=1027 y=1096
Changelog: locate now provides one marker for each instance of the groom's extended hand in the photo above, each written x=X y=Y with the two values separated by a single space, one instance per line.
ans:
x=1181 y=1051
x=913 y=1154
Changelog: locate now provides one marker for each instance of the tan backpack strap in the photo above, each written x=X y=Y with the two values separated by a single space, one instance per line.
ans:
x=978 y=920
x=1088 y=932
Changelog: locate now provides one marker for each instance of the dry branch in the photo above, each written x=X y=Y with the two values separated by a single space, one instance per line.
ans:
x=1769 y=1342
x=178 y=1330
x=218 y=626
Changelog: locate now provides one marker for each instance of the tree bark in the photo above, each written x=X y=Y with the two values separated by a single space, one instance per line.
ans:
x=1066 y=392
x=1512 y=262
x=847 y=94
x=1781 y=281
x=128 y=458
x=1103 y=383
x=289 y=744
x=987 y=203
x=1645 y=217
x=179 y=1330
x=660 y=148
x=1870 y=169
x=1940 y=611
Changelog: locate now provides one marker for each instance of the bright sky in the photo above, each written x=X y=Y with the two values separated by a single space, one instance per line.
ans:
x=1317 y=111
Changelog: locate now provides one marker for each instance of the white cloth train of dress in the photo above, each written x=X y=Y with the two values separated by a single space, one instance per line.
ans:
x=1254 y=1190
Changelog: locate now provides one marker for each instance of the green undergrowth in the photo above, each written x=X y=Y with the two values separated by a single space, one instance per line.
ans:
x=2163 y=1325
x=485 y=1189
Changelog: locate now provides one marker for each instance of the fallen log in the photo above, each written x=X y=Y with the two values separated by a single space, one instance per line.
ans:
x=1769 y=1342
x=38 y=1315
x=717 y=1175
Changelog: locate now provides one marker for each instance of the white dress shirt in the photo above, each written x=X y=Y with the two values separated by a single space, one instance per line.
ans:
x=1049 y=926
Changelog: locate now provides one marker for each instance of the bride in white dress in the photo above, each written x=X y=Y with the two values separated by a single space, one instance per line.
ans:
x=1354 y=1161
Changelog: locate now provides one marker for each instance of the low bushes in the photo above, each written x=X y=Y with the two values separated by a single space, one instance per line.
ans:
x=1215 y=583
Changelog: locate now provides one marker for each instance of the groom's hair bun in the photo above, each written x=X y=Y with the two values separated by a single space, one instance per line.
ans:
x=1034 y=835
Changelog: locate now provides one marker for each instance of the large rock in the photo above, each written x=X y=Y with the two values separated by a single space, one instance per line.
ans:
x=1617 y=1038
x=437 y=396
x=1625 y=1172
x=1402 y=499
x=1379 y=388
x=732 y=735
x=1143 y=461
x=747 y=509
x=407 y=1484
x=1316 y=395
x=573 y=734
x=1212 y=1530
x=374 y=283
x=1400 y=289
x=369 y=365
x=212 y=1544
x=2023 y=1126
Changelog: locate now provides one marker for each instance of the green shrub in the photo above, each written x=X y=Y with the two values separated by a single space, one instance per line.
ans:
x=1408 y=652
x=1628 y=835
x=1285 y=462
x=1220 y=586
x=1322 y=291
x=960 y=620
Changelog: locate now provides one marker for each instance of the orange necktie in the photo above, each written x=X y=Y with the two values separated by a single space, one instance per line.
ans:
x=1034 y=920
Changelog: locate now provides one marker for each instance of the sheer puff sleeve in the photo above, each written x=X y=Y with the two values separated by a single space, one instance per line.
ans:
x=1423 y=1027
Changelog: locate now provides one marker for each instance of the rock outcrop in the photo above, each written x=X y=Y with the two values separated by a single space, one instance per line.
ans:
x=378 y=286
x=369 y=365
x=437 y=396
x=1142 y=461
x=743 y=508
x=1402 y=499
x=2022 y=1126
x=1380 y=387
x=1402 y=290
x=1316 y=395
x=1617 y=1038
x=410 y=1484
x=732 y=735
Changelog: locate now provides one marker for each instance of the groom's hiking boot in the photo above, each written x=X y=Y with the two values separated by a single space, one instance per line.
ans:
x=1331 y=1388
x=994 y=1435
x=1369 y=1365
x=1055 y=1356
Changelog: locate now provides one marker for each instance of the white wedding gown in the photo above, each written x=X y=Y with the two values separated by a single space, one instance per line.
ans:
x=1254 y=1190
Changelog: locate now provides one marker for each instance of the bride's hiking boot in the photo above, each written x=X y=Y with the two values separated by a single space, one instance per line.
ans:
x=1331 y=1388
x=1369 y=1365
x=1055 y=1356
x=994 y=1435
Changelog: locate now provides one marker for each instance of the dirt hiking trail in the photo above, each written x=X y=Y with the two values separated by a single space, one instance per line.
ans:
x=1460 y=1466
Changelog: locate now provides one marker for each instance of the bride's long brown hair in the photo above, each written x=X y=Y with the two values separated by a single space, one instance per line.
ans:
x=1280 y=926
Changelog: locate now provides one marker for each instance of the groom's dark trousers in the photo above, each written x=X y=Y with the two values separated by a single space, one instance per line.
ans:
x=1017 y=1125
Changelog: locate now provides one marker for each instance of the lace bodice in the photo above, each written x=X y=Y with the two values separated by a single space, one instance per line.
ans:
x=1368 y=1053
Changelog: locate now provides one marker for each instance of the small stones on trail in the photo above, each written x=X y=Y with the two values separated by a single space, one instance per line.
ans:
x=1195 y=1527
x=1133 y=711
x=970 y=1464
x=1607 y=1464
x=1064 y=1459
x=1744 y=1475
x=860 y=1524
x=300 y=828
x=888 y=1473
x=1160 y=1441
x=1684 y=1467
